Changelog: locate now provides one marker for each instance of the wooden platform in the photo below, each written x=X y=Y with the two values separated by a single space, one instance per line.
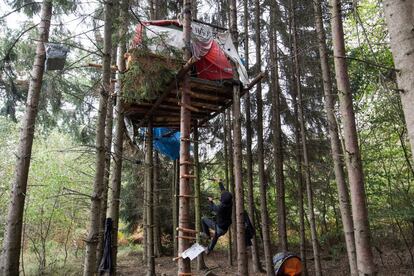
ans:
x=208 y=99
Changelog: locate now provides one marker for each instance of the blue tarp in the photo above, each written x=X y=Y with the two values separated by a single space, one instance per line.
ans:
x=167 y=142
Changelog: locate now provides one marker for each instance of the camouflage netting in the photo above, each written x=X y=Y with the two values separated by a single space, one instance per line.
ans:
x=148 y=75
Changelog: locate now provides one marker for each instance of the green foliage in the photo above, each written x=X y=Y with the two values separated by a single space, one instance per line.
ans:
x=55 y=202
x=147 y=75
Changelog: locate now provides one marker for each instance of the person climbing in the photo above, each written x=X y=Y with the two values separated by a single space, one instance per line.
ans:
x=223 y=218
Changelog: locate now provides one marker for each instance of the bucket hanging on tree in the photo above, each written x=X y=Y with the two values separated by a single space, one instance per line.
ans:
x=55 y=56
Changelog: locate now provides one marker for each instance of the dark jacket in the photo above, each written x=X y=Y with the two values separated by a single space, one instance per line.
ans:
x=248 y=229
x=223 y=210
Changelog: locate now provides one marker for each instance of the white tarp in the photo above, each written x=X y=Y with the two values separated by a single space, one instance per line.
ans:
x=192 y=252
x=201 y=43
x=226 y=44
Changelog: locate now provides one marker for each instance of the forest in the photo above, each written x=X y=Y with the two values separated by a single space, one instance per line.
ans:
x=126 y=125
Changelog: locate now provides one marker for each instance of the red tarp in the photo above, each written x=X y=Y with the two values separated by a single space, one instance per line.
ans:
x=212 y=66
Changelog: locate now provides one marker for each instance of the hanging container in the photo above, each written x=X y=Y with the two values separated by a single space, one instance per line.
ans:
x=55 y=56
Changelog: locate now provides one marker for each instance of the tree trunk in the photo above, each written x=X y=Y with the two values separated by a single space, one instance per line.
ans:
x=108 y=143
x=149 y=225
x=184 y=265
x=298 y=149
x=238 y=194
x=9 y=263
x=200 y=259
x=175 y=193
x=92 y=239
x=145 y=218
x=314 y=234
x=263 y=186
x=249 y=160
x=335 y=142
x=399 y=17
x=156 y=206
x=277 y=133
x=194 y=9
x=115 y=191
x=233 y=230
x=226 y=169
x=364 y=255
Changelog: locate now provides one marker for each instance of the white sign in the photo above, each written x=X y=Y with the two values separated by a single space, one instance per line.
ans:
x=193 y=251
x=201 y=30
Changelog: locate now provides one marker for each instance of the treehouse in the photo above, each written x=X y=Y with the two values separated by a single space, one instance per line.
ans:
x=152 y=84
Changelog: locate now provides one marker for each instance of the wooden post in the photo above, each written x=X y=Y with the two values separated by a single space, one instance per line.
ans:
x=184 y=265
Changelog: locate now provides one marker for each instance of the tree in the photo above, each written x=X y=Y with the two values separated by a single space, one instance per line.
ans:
x=149 y=187
x=118 y=140
x=184 y=266
x=197 y=172
x=306 y=164
x=364 y=255
x=335 y=142
x=233 y=231
x=96 y=198
x=237 y=153
x=399 y=15
x=9 y=263
x=277 y=131
x=298 y=148
x=249 y=159
x=228 y=173
x=263 y=200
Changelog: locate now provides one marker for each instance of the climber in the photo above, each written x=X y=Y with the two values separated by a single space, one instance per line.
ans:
x=223 y=218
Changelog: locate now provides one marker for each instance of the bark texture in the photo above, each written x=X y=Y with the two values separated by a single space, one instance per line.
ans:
x=228 y=180
x=237 y=156
x=344 y=204
x=115 y=182
x=96 y=199
x=263 y=185
x=156 y=206
x=233 y=231
x=249 y=160
x=305 y=165
x=298 y=150
x=399 y=16
x=9 y=263
x=364 y=255
x=197 y=171
x=239 y=192
x=184 y=265
x=149 y=224
x=277 y=133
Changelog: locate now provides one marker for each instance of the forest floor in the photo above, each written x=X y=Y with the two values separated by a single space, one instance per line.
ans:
x=392 y=263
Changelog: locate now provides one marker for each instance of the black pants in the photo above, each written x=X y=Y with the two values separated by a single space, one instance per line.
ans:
x=208 y=224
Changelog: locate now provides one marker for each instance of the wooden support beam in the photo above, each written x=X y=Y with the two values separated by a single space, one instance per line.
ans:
x=192 y=231
x=186 y=237
x=189 y=107
x=188 y=163
x=256 y=79
x=189 y=196
x=187 y=176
